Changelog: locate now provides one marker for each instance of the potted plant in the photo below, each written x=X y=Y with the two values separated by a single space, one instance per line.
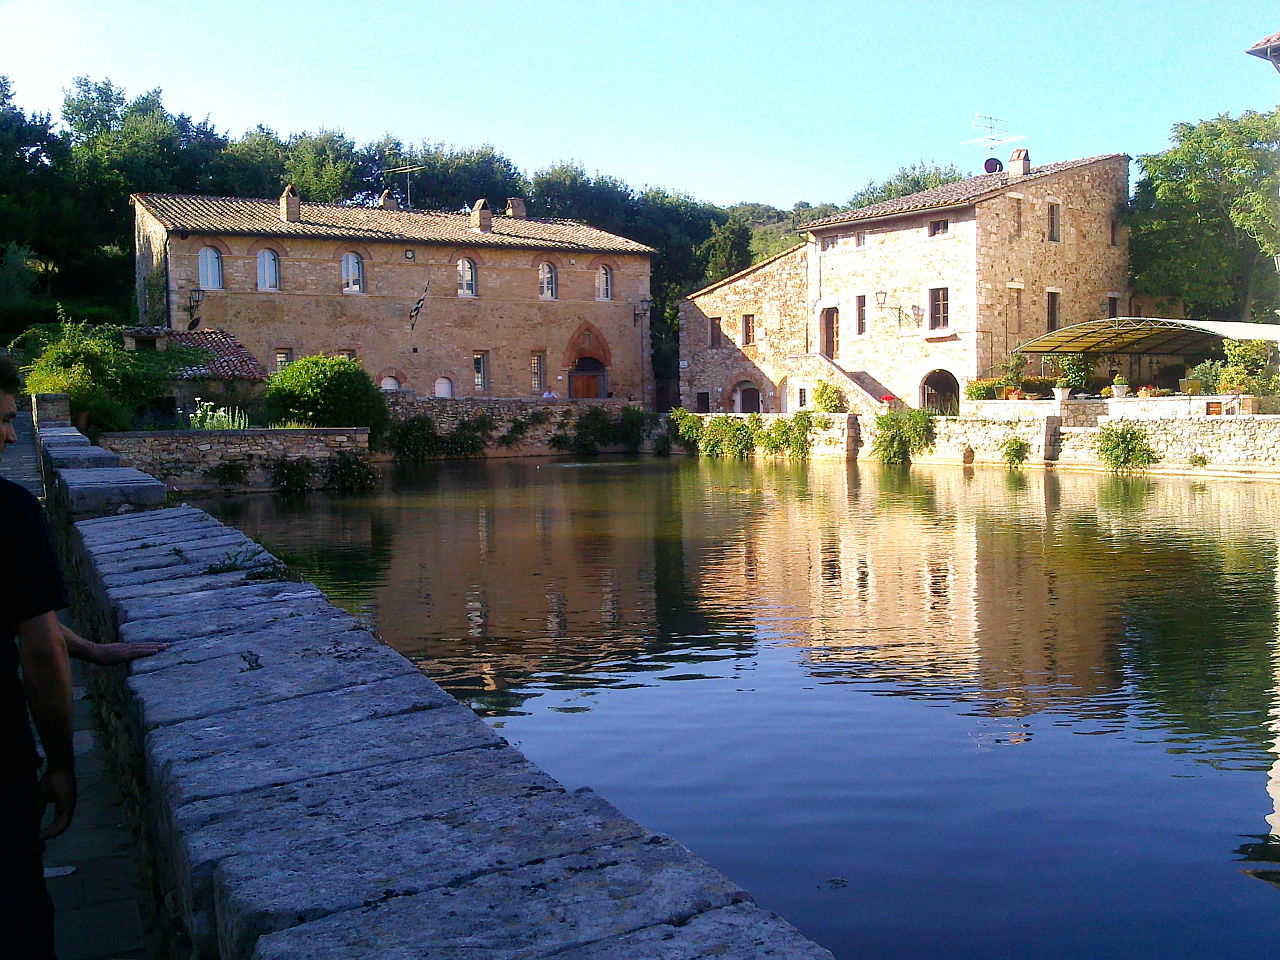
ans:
x=1119 y=386
x=1061 y=389
x=1147 y=391
x=1191 y=386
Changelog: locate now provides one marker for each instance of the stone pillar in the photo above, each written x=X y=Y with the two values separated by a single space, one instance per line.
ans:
x=50 y=409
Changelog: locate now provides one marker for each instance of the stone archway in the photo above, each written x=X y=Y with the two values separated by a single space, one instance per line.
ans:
x=588 y=379
x=940 y=392
x=746 y=397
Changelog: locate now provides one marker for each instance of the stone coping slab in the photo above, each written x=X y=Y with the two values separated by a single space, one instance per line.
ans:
x=73 y=455
x=533 y=911
x=224 y=547
x=333 y=806
x=273 y=889
x=97 y=490
x=251 y=678
x=174 y=532
x=115 y=528
x=229 y=598
x=218 y=622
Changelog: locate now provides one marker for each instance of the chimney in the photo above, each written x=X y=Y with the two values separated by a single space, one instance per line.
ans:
x=290 y=205
x=388 y=202
x=482 y=217
x=1019 y=163
x=516 y=208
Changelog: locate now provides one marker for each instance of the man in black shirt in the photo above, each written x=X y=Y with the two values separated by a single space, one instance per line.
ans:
x=31 y=593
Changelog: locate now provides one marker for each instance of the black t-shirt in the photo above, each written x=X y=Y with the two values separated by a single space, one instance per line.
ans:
x=30 y=584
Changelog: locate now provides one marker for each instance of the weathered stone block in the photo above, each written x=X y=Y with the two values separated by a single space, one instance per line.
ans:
x=103 y=489
x=533 y=911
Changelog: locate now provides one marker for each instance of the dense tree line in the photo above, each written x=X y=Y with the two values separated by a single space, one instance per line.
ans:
x=1203 y=216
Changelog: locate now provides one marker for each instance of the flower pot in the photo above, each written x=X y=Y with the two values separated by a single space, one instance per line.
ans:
x=1119 y=390
x=1061 y=393
x=1190 y=387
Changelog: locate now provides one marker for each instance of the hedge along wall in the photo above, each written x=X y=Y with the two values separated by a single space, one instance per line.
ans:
x=183 y=459
x=447 y=414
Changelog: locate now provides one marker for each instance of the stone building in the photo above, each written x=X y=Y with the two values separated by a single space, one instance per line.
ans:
x=913 y=297
x=445 y=304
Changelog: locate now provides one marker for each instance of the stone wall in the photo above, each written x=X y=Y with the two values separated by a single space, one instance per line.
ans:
x=1233 y=443
x=183 y=459
x=969 y=440
x=301 y=790
x=1070 y=413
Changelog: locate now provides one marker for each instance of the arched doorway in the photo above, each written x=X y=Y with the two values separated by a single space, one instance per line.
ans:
x=444 y=387
x=746 y=398
x=588 y=379
x=940 y=392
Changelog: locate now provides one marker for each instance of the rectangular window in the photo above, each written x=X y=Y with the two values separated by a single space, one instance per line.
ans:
x=349 y=354
x=862 y=314
x=860 y=238
x=939 y=311
x=284 y=357
x=1055 y=222
x=1115 y=232
x=939 y=228
x=803 y=398
x=748 y=329
x=480 y=364
x=1113 y=307
x=1017 y=217
x=702 y=403
x=1051 y=309
x=713 y=332
x=829 y=243
x=538 y=371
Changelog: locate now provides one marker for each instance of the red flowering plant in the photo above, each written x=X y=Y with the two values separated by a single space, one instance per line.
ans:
x=888 y=398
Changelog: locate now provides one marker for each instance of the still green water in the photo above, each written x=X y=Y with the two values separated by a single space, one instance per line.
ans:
x=927 y=713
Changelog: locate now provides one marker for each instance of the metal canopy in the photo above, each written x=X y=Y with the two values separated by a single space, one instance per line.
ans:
x=1148 y=335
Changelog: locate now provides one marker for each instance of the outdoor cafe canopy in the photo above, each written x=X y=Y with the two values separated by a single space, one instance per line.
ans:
x=1148 y=335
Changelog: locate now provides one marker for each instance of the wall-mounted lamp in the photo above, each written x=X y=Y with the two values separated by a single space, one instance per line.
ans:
x=882 y=299
x=194 y=299
x=641 y=311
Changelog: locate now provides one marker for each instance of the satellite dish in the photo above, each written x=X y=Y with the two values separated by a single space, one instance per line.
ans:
x=993 y=165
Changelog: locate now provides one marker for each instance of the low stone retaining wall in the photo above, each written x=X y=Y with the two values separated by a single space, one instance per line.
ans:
x=1251 y=442
x=305 y=791
x=189 y=460
x=535 y=441
x=970 y=440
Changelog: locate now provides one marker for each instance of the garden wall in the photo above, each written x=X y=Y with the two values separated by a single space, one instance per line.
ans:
x=184 y=459
x=1242 y=443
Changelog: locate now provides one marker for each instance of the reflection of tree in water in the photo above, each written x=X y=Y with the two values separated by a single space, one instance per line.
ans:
x=1266 y=849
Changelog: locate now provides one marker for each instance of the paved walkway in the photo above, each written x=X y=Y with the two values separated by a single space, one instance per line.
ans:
x=91 y=869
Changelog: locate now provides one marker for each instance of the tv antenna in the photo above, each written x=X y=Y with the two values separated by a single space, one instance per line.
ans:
x=996 y=134
x=408 y=186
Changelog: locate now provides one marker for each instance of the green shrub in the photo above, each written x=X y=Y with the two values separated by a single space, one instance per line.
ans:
x=1038 y=384
x=351 y=472
x=1207 y=373
x=727 y=437
x=1014 y=450
x=630 y=427
x=901 y=434
x=688 y=428
x=1198 y=460
x=983 y=388
x=1124 y=446
x=207 y=417
x=230 y=473
x=292 y=476
x=828 y=398
x=520 y=425
x=416 y=439
x=789 y=435
x=662 y=444
x=1076 y=368
x=328 y=392
x=1013 y=367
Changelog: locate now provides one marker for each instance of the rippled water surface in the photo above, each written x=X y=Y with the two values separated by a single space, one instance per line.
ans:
x=926 y=713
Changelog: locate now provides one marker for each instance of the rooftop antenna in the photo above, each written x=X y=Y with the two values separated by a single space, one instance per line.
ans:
x=995 y=135
x=408 y=186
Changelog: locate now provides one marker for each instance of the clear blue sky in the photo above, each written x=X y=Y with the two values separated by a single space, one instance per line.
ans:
x=769 y=101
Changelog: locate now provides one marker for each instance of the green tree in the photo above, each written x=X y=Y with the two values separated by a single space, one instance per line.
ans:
x=728 y=249
x=922 y=175
x=323 y=166
x=1205 y=218
x=253 y=166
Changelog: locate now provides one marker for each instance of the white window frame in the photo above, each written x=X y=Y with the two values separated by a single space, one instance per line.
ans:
x=604 y=283
x=210 y=261
x=467 y=285
x=268 y=271
x=940 y=227
x=548 y=285
x=480 y=370
x=860 y=238
x=352 y=273
x=284 y=357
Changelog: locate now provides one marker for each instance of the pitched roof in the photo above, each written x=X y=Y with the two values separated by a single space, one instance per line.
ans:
x=229 y=358
x=955 y=194
x=261 y=218
x=1259 y=49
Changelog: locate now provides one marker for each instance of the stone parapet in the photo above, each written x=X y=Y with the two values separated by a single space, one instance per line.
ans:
x=302 y=790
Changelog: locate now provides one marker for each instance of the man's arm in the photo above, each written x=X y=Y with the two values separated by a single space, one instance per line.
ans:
x=46 y=677
x=106 y=654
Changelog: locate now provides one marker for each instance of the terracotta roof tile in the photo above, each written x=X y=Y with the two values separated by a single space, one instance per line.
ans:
x=953 y=194
x=230 y=359
x=1265 y=42
x=233 y=215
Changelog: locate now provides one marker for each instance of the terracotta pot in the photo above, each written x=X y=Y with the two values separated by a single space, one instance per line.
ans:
x=1119 y=390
